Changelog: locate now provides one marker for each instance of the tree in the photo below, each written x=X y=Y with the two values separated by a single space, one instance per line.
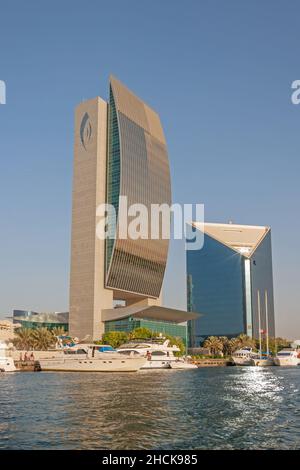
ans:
x=114 y=338
x=58 y=331
x=245 y=341
x=275 y=344
x=229 y=345
x=214 y=344
x=226 y=345
x=233 y=345
x=141 y=333
x=43 y=339
x=23 y=338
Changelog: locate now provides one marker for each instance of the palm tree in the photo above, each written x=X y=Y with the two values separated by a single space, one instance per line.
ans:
x=58 y=331
x=245 y=341
x=233 y=345
x=214 y=344
x=226 y=345
x=23 y=338
x=43 y=339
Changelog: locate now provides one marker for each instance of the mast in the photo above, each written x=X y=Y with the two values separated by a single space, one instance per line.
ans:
x=259 y=322
x=267 y=320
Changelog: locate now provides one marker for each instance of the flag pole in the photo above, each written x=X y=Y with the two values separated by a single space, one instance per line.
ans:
x=267 y=320
x=259 y=323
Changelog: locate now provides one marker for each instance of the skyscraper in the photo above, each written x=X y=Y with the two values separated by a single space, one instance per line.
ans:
x=120 y=150
x=230 y=281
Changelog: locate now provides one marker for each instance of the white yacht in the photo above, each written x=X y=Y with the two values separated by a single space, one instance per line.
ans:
x=181 y=363
x=288 y=357
x=263 y=361
x=92 y=358
x=156 y=355
x=244 y=357
x=6 y=361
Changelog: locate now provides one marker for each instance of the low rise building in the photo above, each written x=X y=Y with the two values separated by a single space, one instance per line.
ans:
x=31 y=319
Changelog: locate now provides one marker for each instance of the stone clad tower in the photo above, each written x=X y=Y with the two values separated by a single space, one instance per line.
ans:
x=120 y=150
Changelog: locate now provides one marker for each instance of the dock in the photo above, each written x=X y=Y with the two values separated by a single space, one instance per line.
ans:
x=213 y=362
x=28 y=366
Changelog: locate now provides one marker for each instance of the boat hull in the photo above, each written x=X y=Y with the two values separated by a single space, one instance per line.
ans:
x=182 y=365
x=7 y=364
x=287 y=362
x=243 y=362
x=92 y=365
x=263 y=362
x=172 y=364
x=156 y=365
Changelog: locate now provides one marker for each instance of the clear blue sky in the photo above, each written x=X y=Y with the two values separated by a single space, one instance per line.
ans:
x=219 y=74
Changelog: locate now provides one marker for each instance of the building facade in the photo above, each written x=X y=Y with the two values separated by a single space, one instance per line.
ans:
x=164 y=327
x=50 y=320
x=120 y=151
x=230 y=281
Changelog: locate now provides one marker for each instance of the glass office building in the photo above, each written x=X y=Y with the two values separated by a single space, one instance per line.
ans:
x=50 y=320
x=230 y=282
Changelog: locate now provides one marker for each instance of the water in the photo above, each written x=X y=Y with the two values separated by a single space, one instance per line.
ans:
x=214 y=408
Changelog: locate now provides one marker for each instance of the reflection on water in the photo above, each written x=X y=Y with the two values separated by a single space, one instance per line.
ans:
x=220 y=408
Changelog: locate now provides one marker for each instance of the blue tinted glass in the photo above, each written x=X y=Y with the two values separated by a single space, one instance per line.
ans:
x=215 y=287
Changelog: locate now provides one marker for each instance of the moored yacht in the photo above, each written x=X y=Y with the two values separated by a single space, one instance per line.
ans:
x=156 y=355
x=6 y=361
x=263 y=361
x=181 y=363
x=92 y=358
x=288 y=357
x=244 y=357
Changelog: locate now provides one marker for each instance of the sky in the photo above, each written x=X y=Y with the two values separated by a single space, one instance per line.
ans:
x=219 y=74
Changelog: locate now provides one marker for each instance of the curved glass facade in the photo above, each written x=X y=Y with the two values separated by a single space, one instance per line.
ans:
x=138 y=168
x=113 y=167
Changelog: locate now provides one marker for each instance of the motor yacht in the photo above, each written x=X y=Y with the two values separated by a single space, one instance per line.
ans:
x=92 y=358
x=181 y=363
x=244 y=357
x=156 y=355
x=6 y=361
x=288 y=357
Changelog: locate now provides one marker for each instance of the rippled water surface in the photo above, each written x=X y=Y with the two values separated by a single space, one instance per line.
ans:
x=215 y=408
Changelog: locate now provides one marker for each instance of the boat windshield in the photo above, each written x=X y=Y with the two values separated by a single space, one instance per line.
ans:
x=159 y=353
x=241 y=353
x=129 y=352
x=105 y=349
x=135 y=346
x=74 y=351
x=284 y=353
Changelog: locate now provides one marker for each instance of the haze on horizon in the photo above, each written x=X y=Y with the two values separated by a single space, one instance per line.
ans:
x=219 y=75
